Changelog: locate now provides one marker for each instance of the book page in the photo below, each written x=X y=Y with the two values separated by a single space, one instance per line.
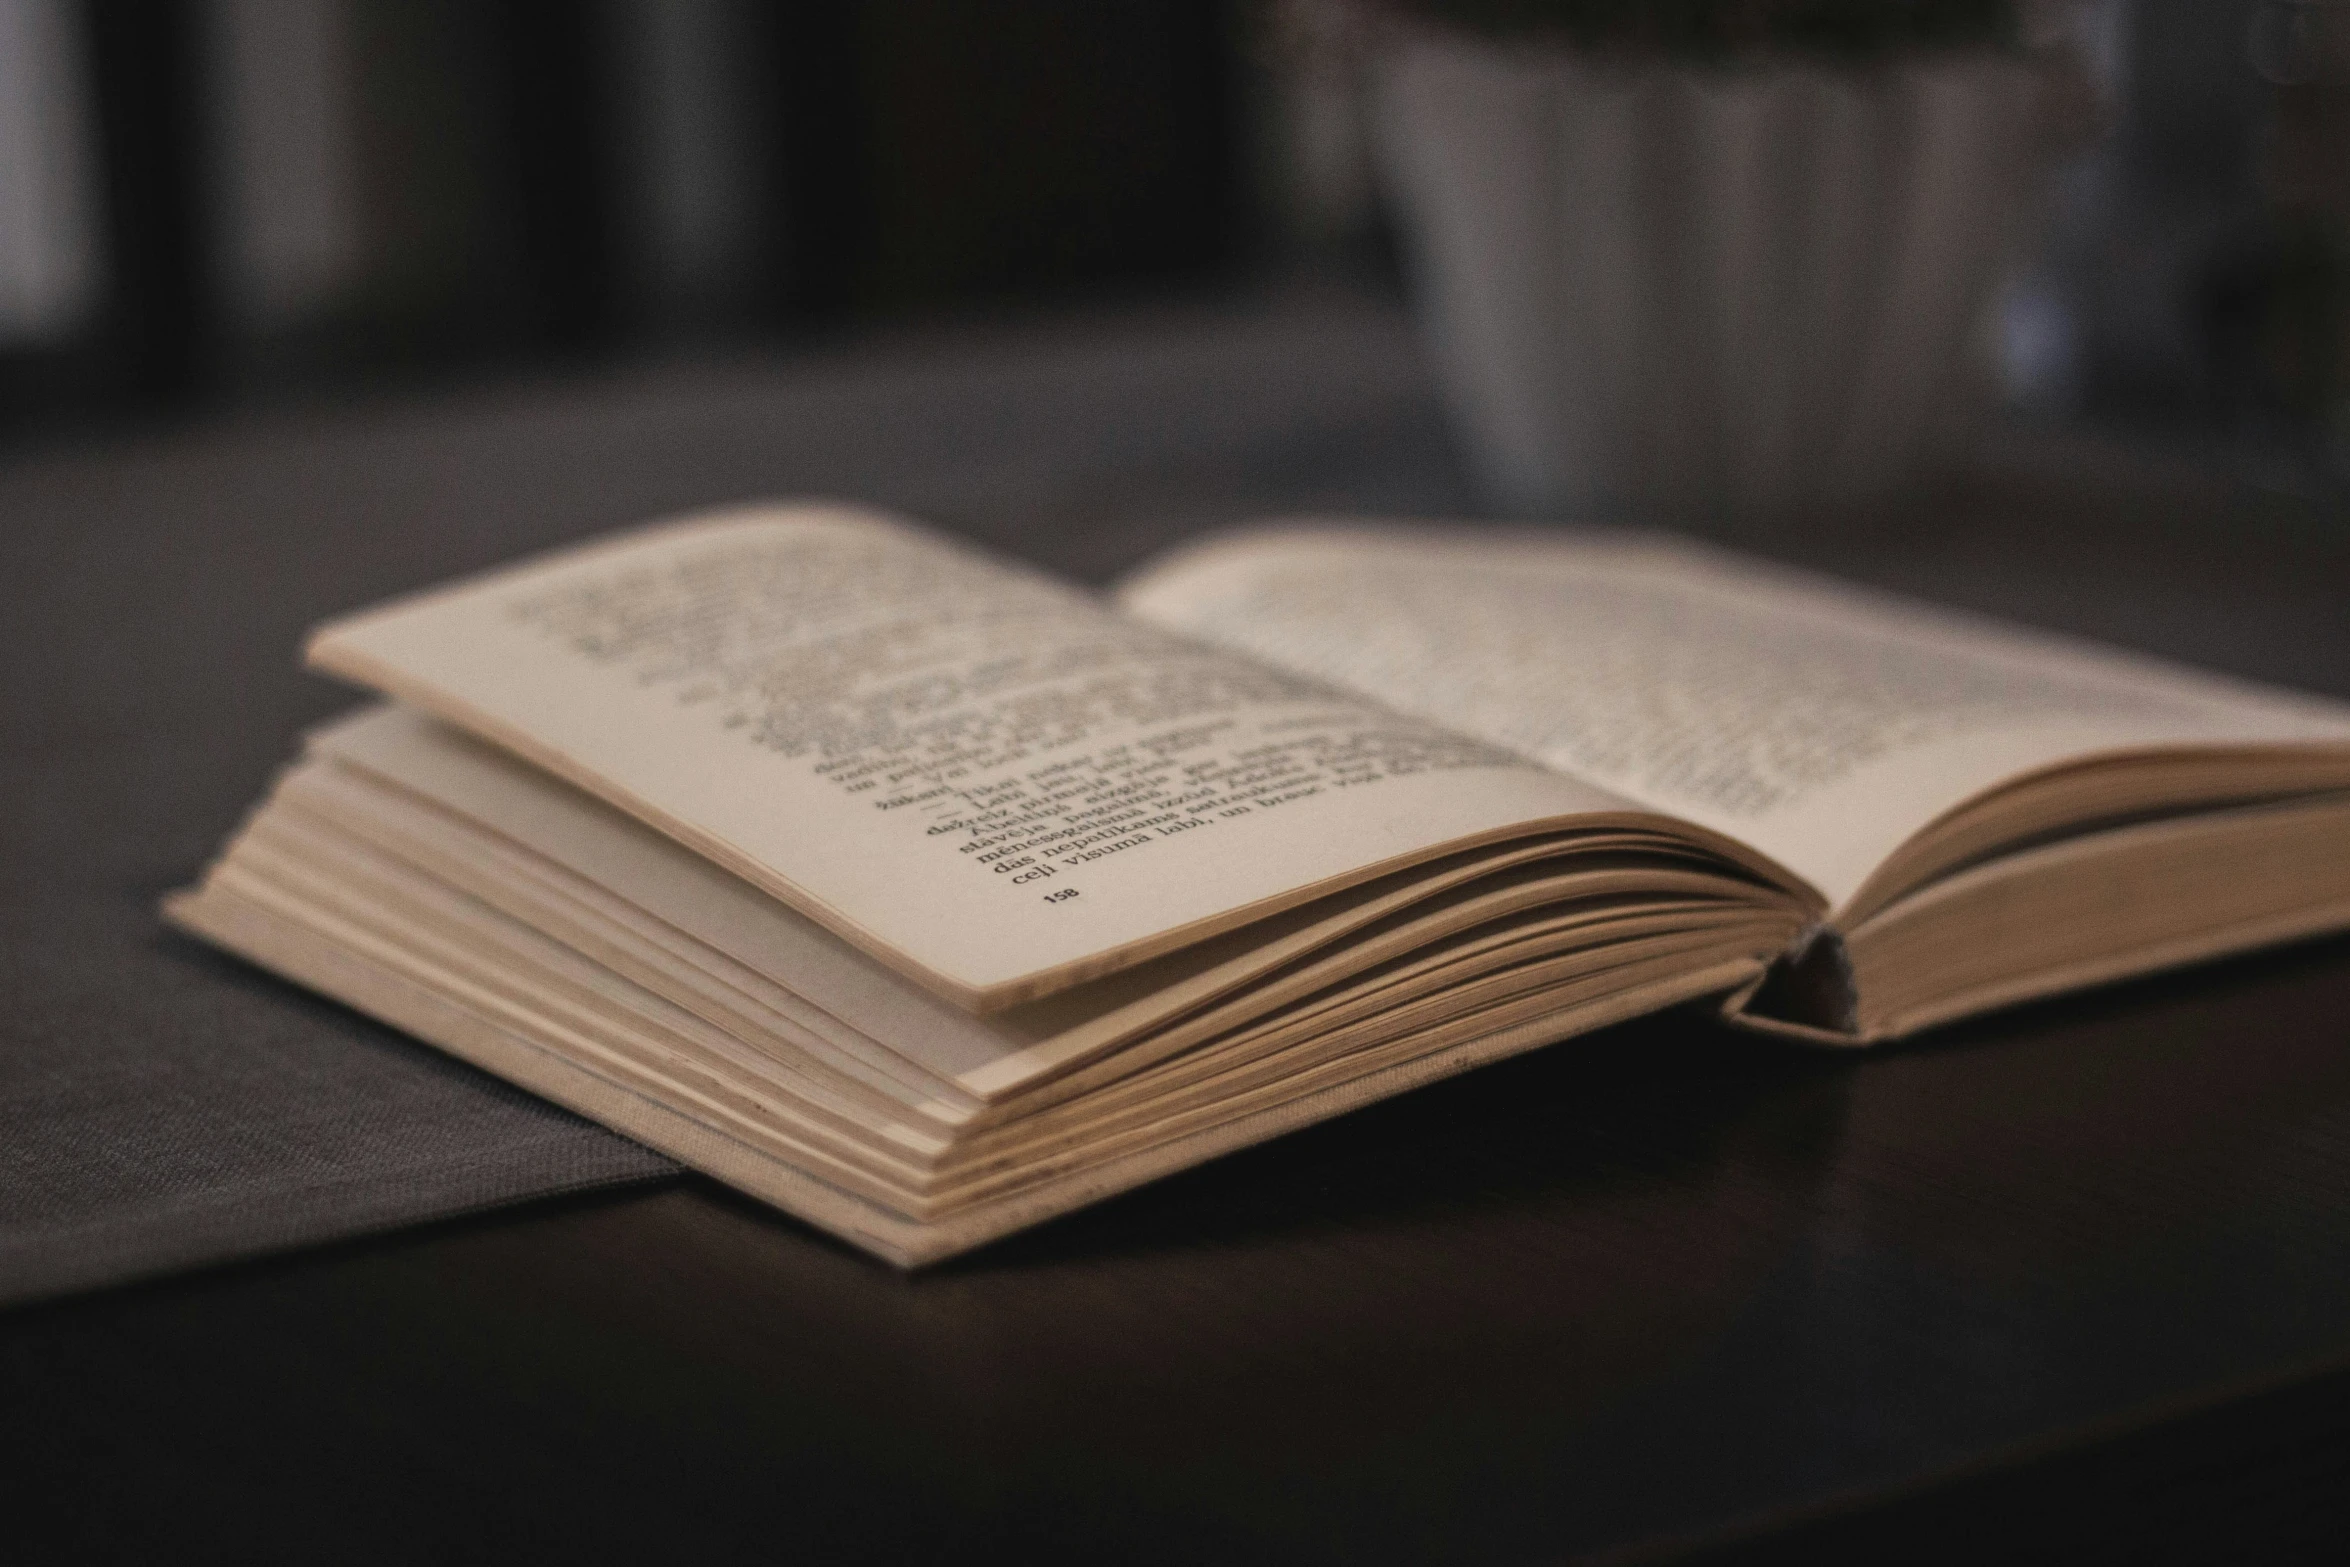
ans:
x=1819 y=723
x=982 y=776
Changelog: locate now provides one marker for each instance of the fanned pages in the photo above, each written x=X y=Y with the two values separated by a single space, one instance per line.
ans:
x=973 y=772
x=927 y=897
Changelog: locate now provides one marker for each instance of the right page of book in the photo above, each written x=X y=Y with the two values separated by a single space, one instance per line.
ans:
x=1820 y=723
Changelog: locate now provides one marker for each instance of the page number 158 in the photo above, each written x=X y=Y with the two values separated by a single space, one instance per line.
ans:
x=1062 y=896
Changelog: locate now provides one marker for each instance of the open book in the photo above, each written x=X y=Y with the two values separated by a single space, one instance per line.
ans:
x=928 y=897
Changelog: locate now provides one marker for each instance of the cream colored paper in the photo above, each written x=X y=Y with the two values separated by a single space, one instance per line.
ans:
x=1821 y=724
x=983 y=777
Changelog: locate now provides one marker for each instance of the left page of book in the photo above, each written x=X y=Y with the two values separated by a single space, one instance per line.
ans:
x=982 y=776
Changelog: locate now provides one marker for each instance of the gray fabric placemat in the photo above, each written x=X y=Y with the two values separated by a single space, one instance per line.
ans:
x=202 y=1111
x=162 y=1105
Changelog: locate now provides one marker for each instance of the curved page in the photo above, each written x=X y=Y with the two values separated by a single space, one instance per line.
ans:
x=1822 y=724
x=984 y=777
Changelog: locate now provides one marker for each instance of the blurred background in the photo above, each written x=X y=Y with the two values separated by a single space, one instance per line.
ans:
x=209 y=204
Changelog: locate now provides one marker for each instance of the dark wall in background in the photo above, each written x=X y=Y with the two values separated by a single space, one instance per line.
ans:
x=315 y=194
x=517 y=179
x=1045 y=145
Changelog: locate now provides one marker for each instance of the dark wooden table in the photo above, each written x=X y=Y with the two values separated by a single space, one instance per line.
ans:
x=2073 y=1283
